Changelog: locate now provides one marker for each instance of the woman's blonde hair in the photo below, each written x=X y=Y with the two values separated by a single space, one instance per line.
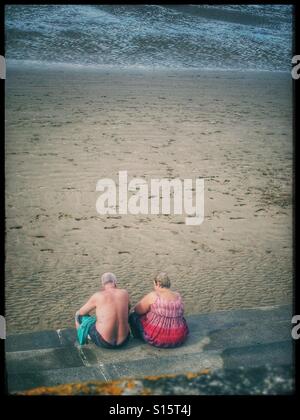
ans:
x=162 y=280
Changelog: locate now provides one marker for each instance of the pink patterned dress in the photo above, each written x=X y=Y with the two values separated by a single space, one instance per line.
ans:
x=164 y=324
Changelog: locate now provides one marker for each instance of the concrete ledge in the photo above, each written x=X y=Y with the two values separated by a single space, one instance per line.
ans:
x=272 y=354
x=109 y=371
x=40 y=340
x=44 y=359
x=250 y=338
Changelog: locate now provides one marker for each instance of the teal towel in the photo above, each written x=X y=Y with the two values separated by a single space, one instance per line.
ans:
x=83 y=330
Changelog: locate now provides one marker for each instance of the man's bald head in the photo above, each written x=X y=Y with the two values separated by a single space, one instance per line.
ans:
x=108 y=278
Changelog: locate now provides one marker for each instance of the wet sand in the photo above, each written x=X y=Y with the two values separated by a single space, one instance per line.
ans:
x=67 y=129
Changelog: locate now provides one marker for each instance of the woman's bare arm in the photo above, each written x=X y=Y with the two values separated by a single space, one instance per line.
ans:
x=144 y=304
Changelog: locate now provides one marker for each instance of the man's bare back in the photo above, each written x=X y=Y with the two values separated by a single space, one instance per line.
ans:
x=112 y=314
x=112 y=307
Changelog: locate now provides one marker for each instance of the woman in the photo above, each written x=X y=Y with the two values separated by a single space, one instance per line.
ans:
x=158 y=317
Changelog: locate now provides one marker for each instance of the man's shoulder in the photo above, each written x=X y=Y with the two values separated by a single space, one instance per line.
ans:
x=104 y=293
x=123 y=291
x=98 y=294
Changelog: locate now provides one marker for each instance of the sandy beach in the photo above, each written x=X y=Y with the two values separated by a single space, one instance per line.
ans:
x=66 y=129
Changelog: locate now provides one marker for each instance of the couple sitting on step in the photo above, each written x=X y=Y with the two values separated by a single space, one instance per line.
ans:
x=157 y=318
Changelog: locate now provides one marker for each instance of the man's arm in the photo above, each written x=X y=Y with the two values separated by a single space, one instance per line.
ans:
x=86 y=308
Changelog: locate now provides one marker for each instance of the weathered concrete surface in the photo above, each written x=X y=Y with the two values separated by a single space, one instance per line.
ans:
x=250 y=338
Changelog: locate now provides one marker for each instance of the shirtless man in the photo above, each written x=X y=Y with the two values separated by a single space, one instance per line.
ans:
x=112 y=305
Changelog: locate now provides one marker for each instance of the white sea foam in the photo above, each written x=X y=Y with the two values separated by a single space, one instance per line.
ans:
x=254 y=37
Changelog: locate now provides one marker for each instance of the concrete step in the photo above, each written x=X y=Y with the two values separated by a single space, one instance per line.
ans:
x=19 y=380
x=271 y=354
x=40 y=340
x=249 y=334
x=43 y=359
x=57 y=371
x=227 y=319
x=230 y=339
x=200 y=325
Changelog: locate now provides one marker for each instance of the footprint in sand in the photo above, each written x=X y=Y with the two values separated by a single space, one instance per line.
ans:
x=35 y=137
x=233 y=251
x=38 y=216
